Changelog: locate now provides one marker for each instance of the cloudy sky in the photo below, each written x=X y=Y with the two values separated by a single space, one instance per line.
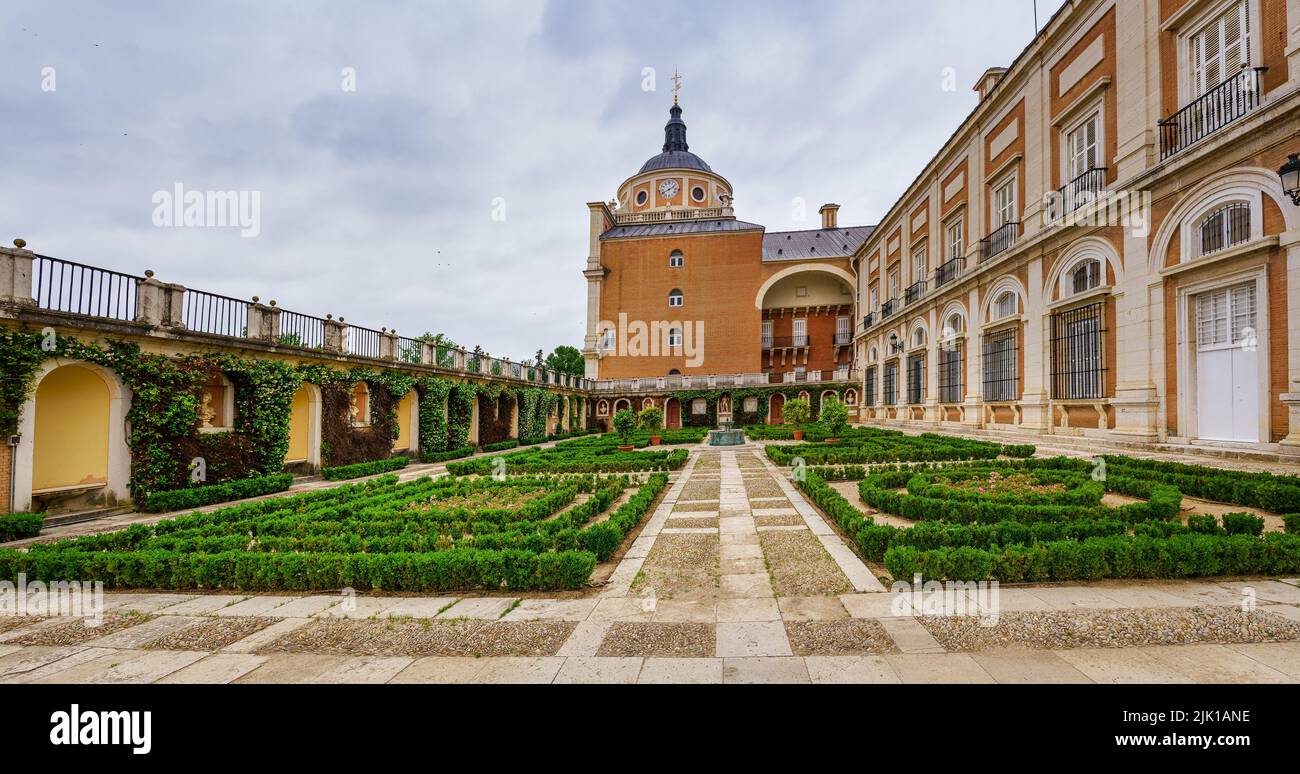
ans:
x=378 y=203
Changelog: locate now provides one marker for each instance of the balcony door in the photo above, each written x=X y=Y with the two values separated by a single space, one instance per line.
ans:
x=1220 y=49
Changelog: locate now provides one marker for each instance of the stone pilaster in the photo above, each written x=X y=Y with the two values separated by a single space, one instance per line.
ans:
x=16 y=274
x=388 y=345
x=335 y=335
x=263 y=321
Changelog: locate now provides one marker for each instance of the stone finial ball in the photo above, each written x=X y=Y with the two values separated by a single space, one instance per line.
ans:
x=20 y=243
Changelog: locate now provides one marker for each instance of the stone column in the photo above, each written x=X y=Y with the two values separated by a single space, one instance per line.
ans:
x=387 y=344
x=335 y=335
x=428 y=354
x=1291 y=243
x=16 y=274
x=1033 y=400
x=151 y=301
x=263 y=321
x=932 y=368
x=973 y=382
x=1140 y=337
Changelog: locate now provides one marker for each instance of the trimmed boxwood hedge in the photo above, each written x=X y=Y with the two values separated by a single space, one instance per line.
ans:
x=875 y=446
x=16 y=526
x=199 y=496
x=443 y=456
x=362 y=469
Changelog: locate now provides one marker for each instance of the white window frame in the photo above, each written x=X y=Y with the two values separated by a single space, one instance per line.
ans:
x=676 y=259
x=1001 y=216
x=919 y=263
x=1191 y=28
x=676 y=299
x=799 y=329
x=1066 y=286
x=1190 y=228
x=955 y=237
x=995 y=311
x=1069 y=171
x=674 y=338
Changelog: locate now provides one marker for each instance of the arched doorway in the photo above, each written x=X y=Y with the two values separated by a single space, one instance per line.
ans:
x=408 y=416
x=304 y=427
x=73 y=453
x=672 y=414
x=622 y=404
x=776 y=409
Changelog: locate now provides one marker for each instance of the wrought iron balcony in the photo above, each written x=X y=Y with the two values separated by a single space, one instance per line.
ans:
x=1079 y=192
x=914 y=291
x=868 y=320
x=999 y=241
x=1234 y=98
x=889 y=307
x=842 y=337
x=784 y=342
x=949 y=271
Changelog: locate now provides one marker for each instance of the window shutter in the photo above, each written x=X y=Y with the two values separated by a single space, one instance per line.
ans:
x=1243 y=311
x=1236 y=51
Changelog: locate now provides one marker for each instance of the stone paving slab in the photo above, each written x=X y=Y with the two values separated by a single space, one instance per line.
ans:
x=1027 y=666
x=552 y=610
x=142 y=602
x=910 y=636
x=125 y=666
x=1281 y=656
x=752 y=638
x=854 y=670
x=937 y=668
x=142 y=633
x=689 y=531
x=748 y=610
x=216 y=669
x=485 y=608
x=365 y=669
x=1208 y=663
x=1123 y=665
x=306 y=607
x=519 y=670
x=684 y=611
x=202 y=604
x=764 y=671
x=441 y=670
x=878 y=605
x=812 y=609
x=262 y=606
x=37 y=662
x=260 y=639
x=608 y=671
x=292 y=668
x=681 y=671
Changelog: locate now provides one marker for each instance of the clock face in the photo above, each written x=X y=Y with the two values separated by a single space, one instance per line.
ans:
x=668 y=189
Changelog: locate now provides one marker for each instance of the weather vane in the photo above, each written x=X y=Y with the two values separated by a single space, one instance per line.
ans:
x=677 y=84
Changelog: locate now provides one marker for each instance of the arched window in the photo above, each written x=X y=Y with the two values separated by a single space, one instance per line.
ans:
x=674 y=372
x=1085 y=276
x=674 y=337
x=675 y=298
x=1226 y=227
x=647 y=403
x=874 y=356
x=953 y=326
x=1004 y=306
x=676 y=259
x=850 y=397
x=217 y=410
x=918 y=338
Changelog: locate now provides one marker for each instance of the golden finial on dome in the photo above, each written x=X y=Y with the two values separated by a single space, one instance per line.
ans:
x=677 y=84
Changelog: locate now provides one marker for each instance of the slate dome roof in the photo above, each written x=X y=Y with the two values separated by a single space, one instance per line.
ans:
x=676 y=153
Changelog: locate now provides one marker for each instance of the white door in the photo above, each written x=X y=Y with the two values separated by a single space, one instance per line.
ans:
x=1227 y=365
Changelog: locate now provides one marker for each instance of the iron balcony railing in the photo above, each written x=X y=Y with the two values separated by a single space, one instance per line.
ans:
x=65 y=286
x=888 y=308
x=784 y=342
x=842 y=338
x=868 y=320
x=210 y=313
x=1212 y=111
x=1079 y=192
x=301 y=330
x=914 y=291
x=999 y=241
x=949 y=271
x=363 y=342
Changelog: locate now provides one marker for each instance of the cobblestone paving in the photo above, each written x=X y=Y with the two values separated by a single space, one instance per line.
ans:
x=734 y=578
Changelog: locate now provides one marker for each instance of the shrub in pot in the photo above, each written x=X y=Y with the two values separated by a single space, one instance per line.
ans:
x=625 y=425
x=797 y=412
x=834 y=418
x=651 y=419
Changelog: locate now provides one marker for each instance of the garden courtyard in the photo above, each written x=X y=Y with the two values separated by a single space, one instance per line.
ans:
x=581 y=561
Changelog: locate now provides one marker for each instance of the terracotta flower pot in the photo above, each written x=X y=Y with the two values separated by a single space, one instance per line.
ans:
x=655 y=440
x=798 y=435
x=627 y=448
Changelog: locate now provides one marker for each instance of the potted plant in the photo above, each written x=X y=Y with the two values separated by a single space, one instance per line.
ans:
x=835 y=419
x=797 y=412
x=652 y=419
x=625 y=426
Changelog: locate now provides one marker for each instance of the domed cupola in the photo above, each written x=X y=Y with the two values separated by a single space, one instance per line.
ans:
x=676 y=154
x=674 y=184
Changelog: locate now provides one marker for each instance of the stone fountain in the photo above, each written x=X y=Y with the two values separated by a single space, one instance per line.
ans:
x=726 y=435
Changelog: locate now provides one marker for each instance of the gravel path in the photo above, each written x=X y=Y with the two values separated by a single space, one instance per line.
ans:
x=426 y=637
x=848 y=637
x=689 y=640
x=800 y=566
x=681 y=567
x=75 y=631
x=1124 y=628
x=212 y=634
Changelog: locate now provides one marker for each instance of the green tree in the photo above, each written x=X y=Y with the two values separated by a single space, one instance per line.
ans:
x=834 y=418
x=567 y=360
x=625 y=423
x=443 y=348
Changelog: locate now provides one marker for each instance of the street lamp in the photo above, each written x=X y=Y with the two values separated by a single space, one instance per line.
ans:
x=1290 y=174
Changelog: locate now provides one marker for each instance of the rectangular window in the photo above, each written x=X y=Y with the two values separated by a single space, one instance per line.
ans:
x=951 y=363
x=1227 y=317
x=767 y=334
x=894 y=287
x=1081 y=145
x=1220 y=49
x=870 y=391
x=891 y=383
x=956 y=238
x=918 y=264
x=799 y=332
x=1004 y=204
x=875 y=299
x=999 y=359
x=607 y=341
x=843 y=330
x=1078 y=362
x=916 y=379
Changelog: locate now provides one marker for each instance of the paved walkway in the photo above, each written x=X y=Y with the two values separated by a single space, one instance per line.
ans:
x=735 y=578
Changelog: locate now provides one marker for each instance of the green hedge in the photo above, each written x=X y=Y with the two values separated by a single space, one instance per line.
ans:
x=443 y=456
x=199 y=496
x=1118 y=556
x=501 y=445
x=363 y=469
x=16 y=526
x=874 y=446
x=1292 y=523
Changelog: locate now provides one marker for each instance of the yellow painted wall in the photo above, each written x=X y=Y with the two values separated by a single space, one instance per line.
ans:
x=404 y=408
x=299 y=419
x=72 y=406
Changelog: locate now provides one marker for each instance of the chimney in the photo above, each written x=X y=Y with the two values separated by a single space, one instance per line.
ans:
x=989 y=80
x=830 y=214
